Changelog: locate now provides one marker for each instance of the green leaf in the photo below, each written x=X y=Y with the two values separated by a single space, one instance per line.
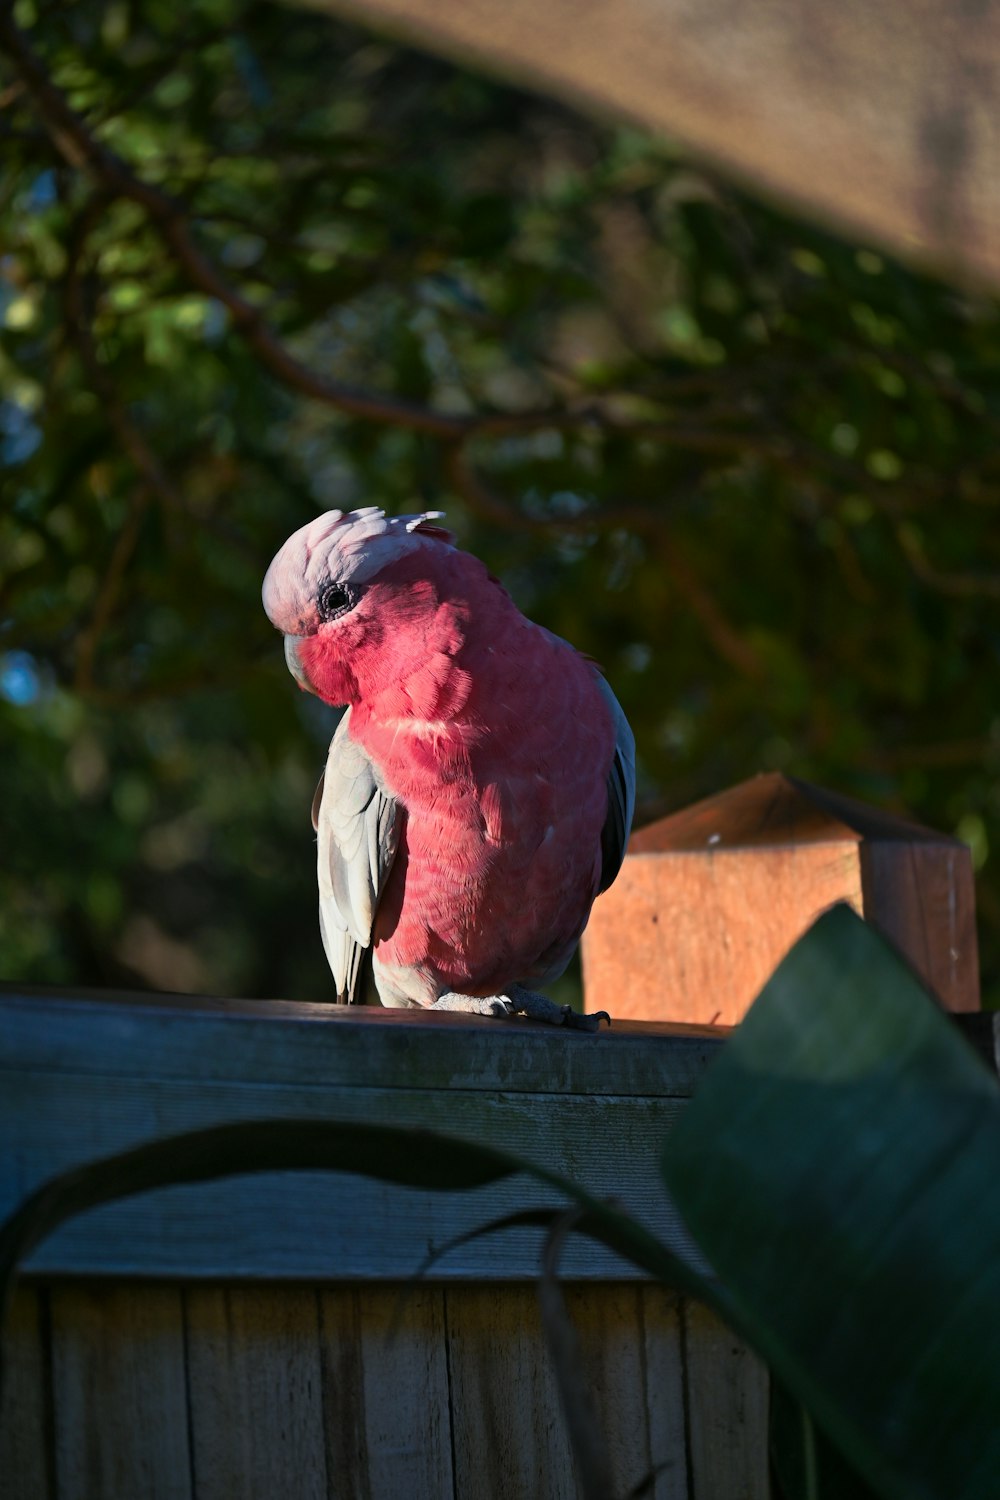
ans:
x=838 y=1167
x=805 y=1465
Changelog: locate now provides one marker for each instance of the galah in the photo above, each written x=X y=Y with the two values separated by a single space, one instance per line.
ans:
x=479 y=789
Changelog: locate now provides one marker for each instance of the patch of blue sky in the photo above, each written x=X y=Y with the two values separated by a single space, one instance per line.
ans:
x=42 y=192
x=20 y=680
x=20 y=435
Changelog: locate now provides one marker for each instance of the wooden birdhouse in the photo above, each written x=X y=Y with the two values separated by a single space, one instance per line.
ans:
x=710 y=899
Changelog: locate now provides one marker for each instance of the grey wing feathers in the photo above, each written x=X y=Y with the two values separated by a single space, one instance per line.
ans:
x=621 y=792
x=357 y=826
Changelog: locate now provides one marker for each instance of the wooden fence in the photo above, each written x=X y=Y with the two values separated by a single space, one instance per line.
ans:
x=262 y=1336
x=234 y=1339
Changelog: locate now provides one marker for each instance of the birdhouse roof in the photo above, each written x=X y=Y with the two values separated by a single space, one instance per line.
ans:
x=774 y=809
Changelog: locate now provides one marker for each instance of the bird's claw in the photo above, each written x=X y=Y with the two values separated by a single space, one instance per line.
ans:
x=576 y=1021
x=541 y=1008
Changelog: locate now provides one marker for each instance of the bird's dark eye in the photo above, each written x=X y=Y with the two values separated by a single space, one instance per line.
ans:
x=333 y=600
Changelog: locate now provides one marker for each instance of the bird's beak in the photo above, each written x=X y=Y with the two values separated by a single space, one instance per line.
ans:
x=294 y=664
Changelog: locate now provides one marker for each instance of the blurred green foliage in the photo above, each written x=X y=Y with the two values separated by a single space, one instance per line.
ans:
x=749 y=467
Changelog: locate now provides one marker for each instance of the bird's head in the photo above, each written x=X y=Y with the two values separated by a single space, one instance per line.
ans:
x=349 y=585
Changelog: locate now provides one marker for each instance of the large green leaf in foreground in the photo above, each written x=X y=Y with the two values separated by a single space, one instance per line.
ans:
x=840 y=1167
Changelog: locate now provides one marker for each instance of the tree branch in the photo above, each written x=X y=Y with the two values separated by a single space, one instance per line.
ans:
x=89 y=638
x=153 y=476
x=114 y=178
x=81 y=149
x=78 y=322
x=957 y=585
x=484 y=502
x=932 y=757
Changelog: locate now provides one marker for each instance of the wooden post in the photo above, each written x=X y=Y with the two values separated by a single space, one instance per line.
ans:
x=710 y=899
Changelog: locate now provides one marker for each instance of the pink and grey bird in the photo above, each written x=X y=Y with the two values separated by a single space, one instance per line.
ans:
x=479 y=790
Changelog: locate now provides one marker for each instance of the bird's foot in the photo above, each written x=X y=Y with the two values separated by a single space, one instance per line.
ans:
x=521 y=1001
x=475 y=1005
x=540 y=1008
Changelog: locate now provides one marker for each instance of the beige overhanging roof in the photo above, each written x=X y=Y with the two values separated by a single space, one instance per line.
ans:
x=880 y=116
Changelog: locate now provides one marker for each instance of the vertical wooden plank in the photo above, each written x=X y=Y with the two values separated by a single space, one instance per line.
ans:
x=25 y=1466
x=119 y=1394
x=385 y=1393
x=922 y=897
x=341 y=1312
x=665 y=1396
x=509 y=1437
x=255 y=1391
x=607 y=1323
x=727 y=1392
x=641 y=1418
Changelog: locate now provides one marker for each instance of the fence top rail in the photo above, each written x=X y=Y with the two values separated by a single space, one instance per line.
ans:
x=86 y=1074
x=167 y=1036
